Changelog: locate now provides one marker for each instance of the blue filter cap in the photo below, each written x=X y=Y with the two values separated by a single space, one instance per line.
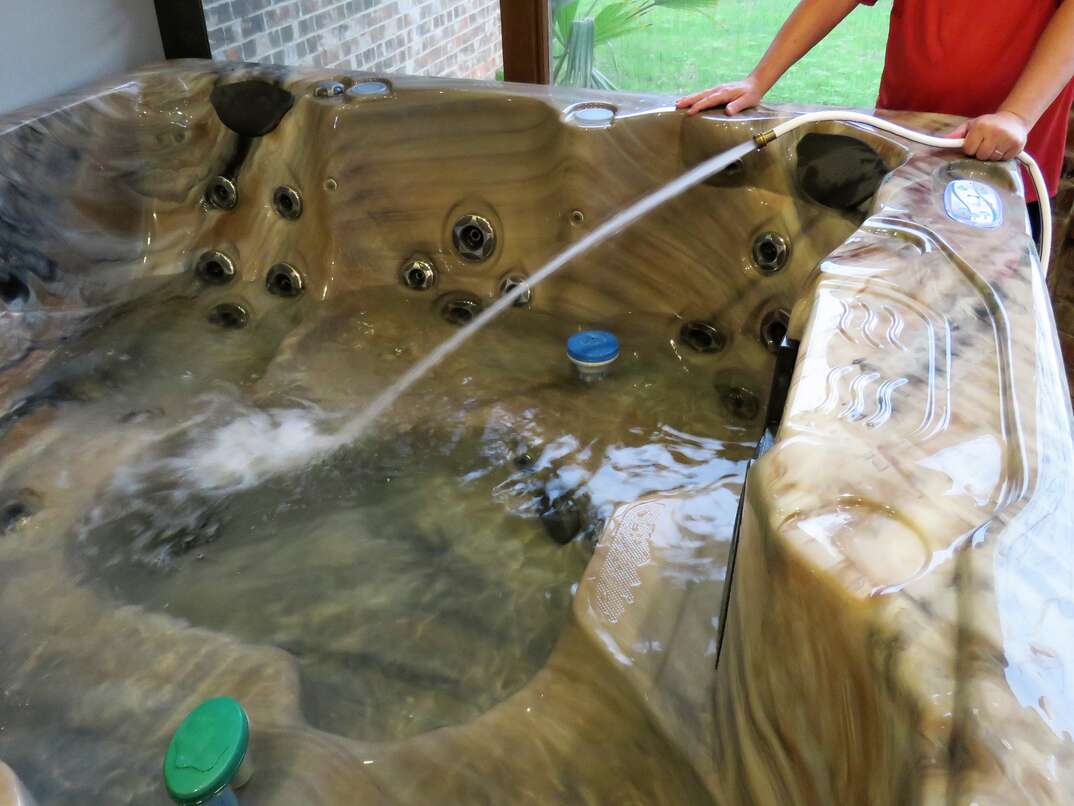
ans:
x=593 y=347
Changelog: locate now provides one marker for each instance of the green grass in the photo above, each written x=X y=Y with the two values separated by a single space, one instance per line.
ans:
x=682 y=51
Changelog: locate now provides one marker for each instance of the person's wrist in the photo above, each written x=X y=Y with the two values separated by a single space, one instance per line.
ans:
x=761 y=82
x=1023 y=119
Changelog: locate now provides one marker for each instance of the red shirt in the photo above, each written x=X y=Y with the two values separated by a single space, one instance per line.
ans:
x=963 y=57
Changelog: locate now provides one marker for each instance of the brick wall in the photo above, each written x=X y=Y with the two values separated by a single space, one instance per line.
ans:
x=1061 y=279
x=459 y=38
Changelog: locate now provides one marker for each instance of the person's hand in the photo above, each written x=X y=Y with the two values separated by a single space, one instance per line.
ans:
x=738 y=95
x=1000 y=136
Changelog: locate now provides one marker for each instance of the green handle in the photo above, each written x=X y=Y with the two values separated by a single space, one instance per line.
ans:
x=206 y=751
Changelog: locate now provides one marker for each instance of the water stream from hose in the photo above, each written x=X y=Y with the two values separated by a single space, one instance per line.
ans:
x=608 y=229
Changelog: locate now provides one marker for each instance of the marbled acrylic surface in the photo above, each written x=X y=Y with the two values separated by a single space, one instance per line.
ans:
x=902 y=605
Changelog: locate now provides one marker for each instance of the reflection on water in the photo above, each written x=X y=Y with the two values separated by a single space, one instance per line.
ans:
x=417 y=577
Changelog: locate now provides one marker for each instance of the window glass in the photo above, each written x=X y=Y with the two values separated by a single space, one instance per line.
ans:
x=678 y=46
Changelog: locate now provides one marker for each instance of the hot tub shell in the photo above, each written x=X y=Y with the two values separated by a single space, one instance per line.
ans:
x=900 y=611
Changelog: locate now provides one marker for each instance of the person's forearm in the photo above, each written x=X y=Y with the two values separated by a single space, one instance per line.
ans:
x=810 y=22
x=1049 y=70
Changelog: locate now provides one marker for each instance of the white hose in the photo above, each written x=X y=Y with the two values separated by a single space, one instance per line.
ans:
x=935 y=142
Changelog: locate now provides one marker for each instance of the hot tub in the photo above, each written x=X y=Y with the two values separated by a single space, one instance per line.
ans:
x=807 y=541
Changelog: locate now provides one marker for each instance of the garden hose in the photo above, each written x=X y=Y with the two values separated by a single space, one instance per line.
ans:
x=933 y=141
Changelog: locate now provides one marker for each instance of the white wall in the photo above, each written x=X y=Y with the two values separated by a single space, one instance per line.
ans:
x=50 y=46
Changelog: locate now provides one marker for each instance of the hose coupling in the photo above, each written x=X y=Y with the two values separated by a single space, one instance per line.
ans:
x=764 y=138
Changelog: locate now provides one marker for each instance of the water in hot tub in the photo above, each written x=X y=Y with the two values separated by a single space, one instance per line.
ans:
x=417 y=576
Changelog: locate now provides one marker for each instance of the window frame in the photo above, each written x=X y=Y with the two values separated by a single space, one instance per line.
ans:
x=527 y=34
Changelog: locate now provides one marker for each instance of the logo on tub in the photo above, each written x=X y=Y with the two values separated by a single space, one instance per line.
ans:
x=973 y=203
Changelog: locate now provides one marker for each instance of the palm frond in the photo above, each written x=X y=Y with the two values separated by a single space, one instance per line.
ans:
x=601 y=81
x=577 y=33
x=578 y=63
x=564 y=12
x=615 y=20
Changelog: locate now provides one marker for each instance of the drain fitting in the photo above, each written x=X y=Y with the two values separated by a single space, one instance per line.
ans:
x=287 y=201
x=474 y=238
x=418 y=274
x=284 y=280
x=561 y=517
x=702 y=337
x=222 y=193
x=739 y=402
x=770 y=252
x=215 y=268
x=513 y=281
x=17 y=510
x=13 y=288
x=229 y=316
x=774 y=329
x=460 y=308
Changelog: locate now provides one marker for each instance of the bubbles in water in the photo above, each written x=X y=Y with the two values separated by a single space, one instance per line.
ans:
x=262 y=443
